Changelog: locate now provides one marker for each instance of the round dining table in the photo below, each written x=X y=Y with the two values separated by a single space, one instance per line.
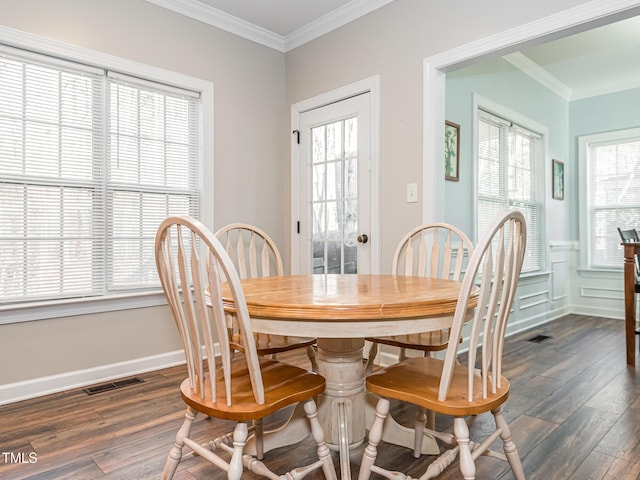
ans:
x=340 y=310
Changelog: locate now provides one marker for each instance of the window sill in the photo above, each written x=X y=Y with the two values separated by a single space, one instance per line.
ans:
x=79 y=306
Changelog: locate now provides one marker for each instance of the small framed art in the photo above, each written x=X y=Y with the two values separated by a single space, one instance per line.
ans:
x=558 y=179
x=451 y=151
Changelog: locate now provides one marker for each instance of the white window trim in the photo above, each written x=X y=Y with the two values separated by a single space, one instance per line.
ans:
x=544 y=181
x=585 y=202
x=83 y=306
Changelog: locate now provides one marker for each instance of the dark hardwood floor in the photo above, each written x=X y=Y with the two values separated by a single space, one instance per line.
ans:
x=574 y=411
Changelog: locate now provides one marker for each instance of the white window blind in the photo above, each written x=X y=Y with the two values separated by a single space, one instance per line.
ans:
x=614 y=193
x=508 y=165
x=89 y=165
x=152 y=173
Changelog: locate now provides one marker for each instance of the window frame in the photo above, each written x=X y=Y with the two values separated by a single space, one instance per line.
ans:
x=585 y=204
x=21 y=312
x=543 y=173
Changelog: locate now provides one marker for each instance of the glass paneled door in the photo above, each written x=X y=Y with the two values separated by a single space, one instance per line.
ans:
x=335 y=188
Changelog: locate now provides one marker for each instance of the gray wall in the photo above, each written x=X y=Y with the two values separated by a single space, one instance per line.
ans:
x=254 y=88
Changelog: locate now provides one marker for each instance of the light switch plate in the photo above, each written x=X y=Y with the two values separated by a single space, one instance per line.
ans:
x=412 y=192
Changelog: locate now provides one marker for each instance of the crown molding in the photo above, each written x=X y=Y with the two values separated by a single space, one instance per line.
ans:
x=219 y=19
x=539 y=74
x=224 y=21
x=332 y=20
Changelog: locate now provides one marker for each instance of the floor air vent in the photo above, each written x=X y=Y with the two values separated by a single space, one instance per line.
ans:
x=105 y=387
x=539 y=338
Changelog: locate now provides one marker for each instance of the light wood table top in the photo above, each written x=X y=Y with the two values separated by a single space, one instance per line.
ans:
x=316 y=300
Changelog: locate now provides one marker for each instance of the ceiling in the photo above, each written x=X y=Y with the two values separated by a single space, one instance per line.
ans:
x=595 y=62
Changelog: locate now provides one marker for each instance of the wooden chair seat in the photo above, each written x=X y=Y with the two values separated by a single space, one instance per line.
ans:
x=424 y=341
x=399 y=382
x=283 y=385
x=273 y=344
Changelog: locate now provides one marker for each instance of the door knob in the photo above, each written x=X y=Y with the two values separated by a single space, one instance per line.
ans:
x=363 y=238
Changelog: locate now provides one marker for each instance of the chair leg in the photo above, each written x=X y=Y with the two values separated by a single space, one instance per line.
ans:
x=317 y=433
x=311 y=353
x=431 y=415
x=375 y=435
x=240 y=434
x=467 y=465
x=510 y=449
x=373 y=351
x=421 y=420
x=175 y=455
x=431 y=419
x=402 y=355
x=259 y=436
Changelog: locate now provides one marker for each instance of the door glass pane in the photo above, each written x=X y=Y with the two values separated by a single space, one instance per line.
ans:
x=350 y=257
x=350 y=220
x=334 y=257
x=334 y=197
x=319 y=183
x=351 y=178
x=318 y=135
x=318 y=220
x=334 y=180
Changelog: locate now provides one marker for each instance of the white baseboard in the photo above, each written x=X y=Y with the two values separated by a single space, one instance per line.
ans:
x=613 y=313
x=37 y=387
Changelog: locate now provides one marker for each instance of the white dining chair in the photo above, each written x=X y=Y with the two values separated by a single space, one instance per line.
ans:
x=450 y=388
x=192 y=264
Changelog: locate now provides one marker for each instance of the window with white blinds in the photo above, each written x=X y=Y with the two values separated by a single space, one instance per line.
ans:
x=509 y=159
x=613 y=192
x=90 y=163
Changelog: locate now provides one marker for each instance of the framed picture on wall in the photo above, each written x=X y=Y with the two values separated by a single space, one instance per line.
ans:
x=558 y=179
x=451 y=151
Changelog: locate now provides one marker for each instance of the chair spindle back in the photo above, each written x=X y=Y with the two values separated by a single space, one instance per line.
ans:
x=436 y=250
x=630 y=235
x=252 y=251
x=495 y=267
x=188 y=254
